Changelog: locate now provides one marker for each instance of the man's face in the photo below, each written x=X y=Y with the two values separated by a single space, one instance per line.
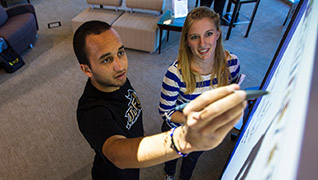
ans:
x=108 y=61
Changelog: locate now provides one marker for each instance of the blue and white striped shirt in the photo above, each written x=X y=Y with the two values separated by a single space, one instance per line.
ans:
x=173 y=88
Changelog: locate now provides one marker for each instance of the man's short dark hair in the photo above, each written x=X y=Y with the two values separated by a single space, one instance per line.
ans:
x=79 y=46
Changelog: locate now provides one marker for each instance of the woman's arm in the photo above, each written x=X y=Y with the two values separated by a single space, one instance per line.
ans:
x=178 y=117
x=169 y=94
x=234 y=67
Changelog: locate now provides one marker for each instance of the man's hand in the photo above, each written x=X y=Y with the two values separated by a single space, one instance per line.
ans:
x=210 y=117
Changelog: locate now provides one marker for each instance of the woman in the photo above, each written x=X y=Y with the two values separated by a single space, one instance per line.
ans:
x=202 y=64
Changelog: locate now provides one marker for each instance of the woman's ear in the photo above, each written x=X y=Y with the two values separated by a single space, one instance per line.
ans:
x=86 y=70
x=218 y=34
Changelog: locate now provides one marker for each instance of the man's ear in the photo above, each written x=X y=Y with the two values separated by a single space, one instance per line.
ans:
x=86 y=70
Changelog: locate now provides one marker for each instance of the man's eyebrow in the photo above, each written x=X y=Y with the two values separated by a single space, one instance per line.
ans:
x=103 y=56
x=122 y=47
x=107 y=54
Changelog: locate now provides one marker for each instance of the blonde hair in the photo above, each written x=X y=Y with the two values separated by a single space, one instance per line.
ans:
x=185 y=56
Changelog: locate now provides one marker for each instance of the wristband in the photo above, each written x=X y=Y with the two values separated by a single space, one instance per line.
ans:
x=173 y=144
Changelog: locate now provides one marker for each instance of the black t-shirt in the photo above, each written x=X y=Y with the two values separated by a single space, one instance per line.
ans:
x=101 y=115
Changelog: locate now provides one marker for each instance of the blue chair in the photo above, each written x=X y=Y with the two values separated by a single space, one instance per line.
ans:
x=233 y=16
x=5 y=5
x=19 y=26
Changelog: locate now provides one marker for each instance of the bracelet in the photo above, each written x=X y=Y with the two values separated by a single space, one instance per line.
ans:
x=173 y=144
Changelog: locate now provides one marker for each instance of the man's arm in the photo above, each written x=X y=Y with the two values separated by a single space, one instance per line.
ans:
x=209 y=119
x=139 y=152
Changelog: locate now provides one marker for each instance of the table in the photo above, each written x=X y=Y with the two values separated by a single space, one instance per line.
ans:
x=176 y=24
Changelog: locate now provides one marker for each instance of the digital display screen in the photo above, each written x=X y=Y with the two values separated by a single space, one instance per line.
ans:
x=269 y=145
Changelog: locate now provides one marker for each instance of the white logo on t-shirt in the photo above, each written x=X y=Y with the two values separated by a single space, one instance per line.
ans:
x=134 y=108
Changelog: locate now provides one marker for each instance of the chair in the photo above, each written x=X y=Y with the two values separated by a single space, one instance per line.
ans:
x=138 y=27
x=5 y=5
x=108 y=14
x=291 y=11
x=235 y=14
x=19 y=26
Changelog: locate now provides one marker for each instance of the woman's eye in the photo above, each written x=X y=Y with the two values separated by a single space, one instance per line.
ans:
x=194 y=37
x=209 y=33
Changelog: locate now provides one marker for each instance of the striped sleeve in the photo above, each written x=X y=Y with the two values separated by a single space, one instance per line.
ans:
x=233 y=64
x=169 y=92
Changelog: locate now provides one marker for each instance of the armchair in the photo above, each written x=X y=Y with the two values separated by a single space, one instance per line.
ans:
x=19 y=26
x=5 y=5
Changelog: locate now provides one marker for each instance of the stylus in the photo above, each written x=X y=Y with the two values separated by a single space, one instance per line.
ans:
x=250 y=94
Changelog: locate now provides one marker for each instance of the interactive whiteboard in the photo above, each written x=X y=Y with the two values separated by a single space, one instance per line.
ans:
x=269 y=146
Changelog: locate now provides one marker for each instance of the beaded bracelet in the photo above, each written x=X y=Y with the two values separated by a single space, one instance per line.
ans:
x=173 y=144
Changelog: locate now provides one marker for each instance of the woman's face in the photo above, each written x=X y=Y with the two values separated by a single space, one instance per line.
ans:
x=202 y=39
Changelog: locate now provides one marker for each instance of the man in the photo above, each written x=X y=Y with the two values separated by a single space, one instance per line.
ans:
x=110 y=117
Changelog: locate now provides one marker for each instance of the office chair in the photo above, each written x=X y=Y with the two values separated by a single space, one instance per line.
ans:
x=232 y=21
